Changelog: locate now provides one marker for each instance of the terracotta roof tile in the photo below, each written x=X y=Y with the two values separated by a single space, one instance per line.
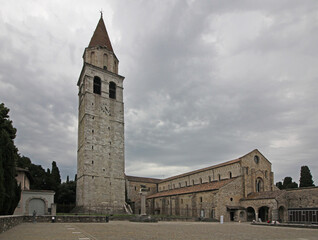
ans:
x=142 y=179
x=192 y=189
x=100 y=37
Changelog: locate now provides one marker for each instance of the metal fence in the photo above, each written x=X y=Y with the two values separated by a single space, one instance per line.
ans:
x=303 y=215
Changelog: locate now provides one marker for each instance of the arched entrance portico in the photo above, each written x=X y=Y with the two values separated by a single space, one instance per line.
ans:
x=263 y=213
x=250 y=214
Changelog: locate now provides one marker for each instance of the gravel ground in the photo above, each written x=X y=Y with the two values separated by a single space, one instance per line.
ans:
x=124 y=230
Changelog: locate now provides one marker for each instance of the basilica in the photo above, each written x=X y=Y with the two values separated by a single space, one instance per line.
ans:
x=237 y=190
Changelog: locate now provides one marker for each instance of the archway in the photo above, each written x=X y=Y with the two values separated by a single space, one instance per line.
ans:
x=37 y=205
x=250 y=214
x=263 y=213
x=281 y=214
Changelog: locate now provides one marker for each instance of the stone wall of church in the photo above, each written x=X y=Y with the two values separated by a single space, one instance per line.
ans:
x=133 y=193
x=228 y=196
x=215 y=174
x=298 y=198
x=102 y=58
x=254 y=170
x=101 y=179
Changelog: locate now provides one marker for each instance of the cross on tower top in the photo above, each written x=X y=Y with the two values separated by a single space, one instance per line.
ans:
x=101 y=13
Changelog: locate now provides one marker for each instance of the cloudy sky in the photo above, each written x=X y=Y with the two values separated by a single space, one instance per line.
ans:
x=206 y=81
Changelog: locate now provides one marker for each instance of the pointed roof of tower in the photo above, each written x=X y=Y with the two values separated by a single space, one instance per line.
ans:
x=100 y=36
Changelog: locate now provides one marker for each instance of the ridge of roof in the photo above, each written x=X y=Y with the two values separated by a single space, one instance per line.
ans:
x=100 y=36
x=201 y=170
x=196 y=188
x=143 y=179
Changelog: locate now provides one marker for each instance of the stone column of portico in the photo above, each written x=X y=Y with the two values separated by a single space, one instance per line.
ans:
x=274 y=214
x=256 y=216
x=143 y=202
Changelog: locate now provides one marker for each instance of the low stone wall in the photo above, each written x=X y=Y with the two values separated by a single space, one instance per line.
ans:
x=66 y=219
x=7 y=222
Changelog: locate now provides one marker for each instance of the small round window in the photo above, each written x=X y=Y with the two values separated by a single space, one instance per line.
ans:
x=256 y=159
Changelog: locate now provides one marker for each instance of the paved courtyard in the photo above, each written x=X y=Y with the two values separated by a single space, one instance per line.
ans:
x=124 y=230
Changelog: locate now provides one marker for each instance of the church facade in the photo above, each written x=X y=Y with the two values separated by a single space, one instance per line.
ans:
x=238 y=190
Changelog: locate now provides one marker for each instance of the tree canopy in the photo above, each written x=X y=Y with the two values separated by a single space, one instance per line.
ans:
x=287 y=183
x=9 y=190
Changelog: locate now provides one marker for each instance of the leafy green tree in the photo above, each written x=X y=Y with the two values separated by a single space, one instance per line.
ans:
x=279 y=185
x=288 y=183
x=305 y=177
x=39 y=178
x=9 y=190
x=67 y=193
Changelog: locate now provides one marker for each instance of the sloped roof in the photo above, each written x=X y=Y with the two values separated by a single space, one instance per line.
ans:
x=192 y=189
x=263 y=195
x=201 y=170
x=142 y=179
x=100 y=37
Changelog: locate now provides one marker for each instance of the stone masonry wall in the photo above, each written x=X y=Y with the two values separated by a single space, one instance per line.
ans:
x=215 y=174
x=7 y=222
x=100 y=164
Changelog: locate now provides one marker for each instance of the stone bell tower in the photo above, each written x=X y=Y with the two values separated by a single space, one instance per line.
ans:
x=100 y=152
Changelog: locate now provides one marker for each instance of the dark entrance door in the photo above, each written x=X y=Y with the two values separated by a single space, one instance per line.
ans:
x=263 y=213
x=250 y=214
x=232 y=214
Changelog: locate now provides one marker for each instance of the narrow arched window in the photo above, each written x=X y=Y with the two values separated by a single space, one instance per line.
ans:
x=259 y=185
x=200 y=180
x=219 y=176
x=112 y=90
x=115 y=67
x=230 y=174
x=92 y=57
x=105 y=61
x=97 y=85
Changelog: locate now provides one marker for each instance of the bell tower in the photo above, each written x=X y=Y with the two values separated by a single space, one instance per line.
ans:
x=100 y=152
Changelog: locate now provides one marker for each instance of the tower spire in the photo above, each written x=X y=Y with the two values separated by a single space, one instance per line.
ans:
x=100 y=36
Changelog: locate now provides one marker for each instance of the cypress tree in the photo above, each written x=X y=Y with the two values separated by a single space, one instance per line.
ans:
x=9 y=189
x=56 y=177
x=305 y=177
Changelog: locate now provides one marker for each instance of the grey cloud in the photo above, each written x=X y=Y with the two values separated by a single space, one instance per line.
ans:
x=193 y=98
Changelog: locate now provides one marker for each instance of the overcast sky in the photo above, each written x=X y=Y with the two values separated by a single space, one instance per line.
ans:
x=205 y=81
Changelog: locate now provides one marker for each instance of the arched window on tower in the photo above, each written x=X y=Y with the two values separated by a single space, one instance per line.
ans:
x=230 y=174
x=97 y=85
x=112 y=90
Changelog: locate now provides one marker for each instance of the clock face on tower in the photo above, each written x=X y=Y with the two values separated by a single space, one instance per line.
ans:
x=104 y=109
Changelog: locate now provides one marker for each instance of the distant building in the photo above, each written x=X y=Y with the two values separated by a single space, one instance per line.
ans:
x=40 y=201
